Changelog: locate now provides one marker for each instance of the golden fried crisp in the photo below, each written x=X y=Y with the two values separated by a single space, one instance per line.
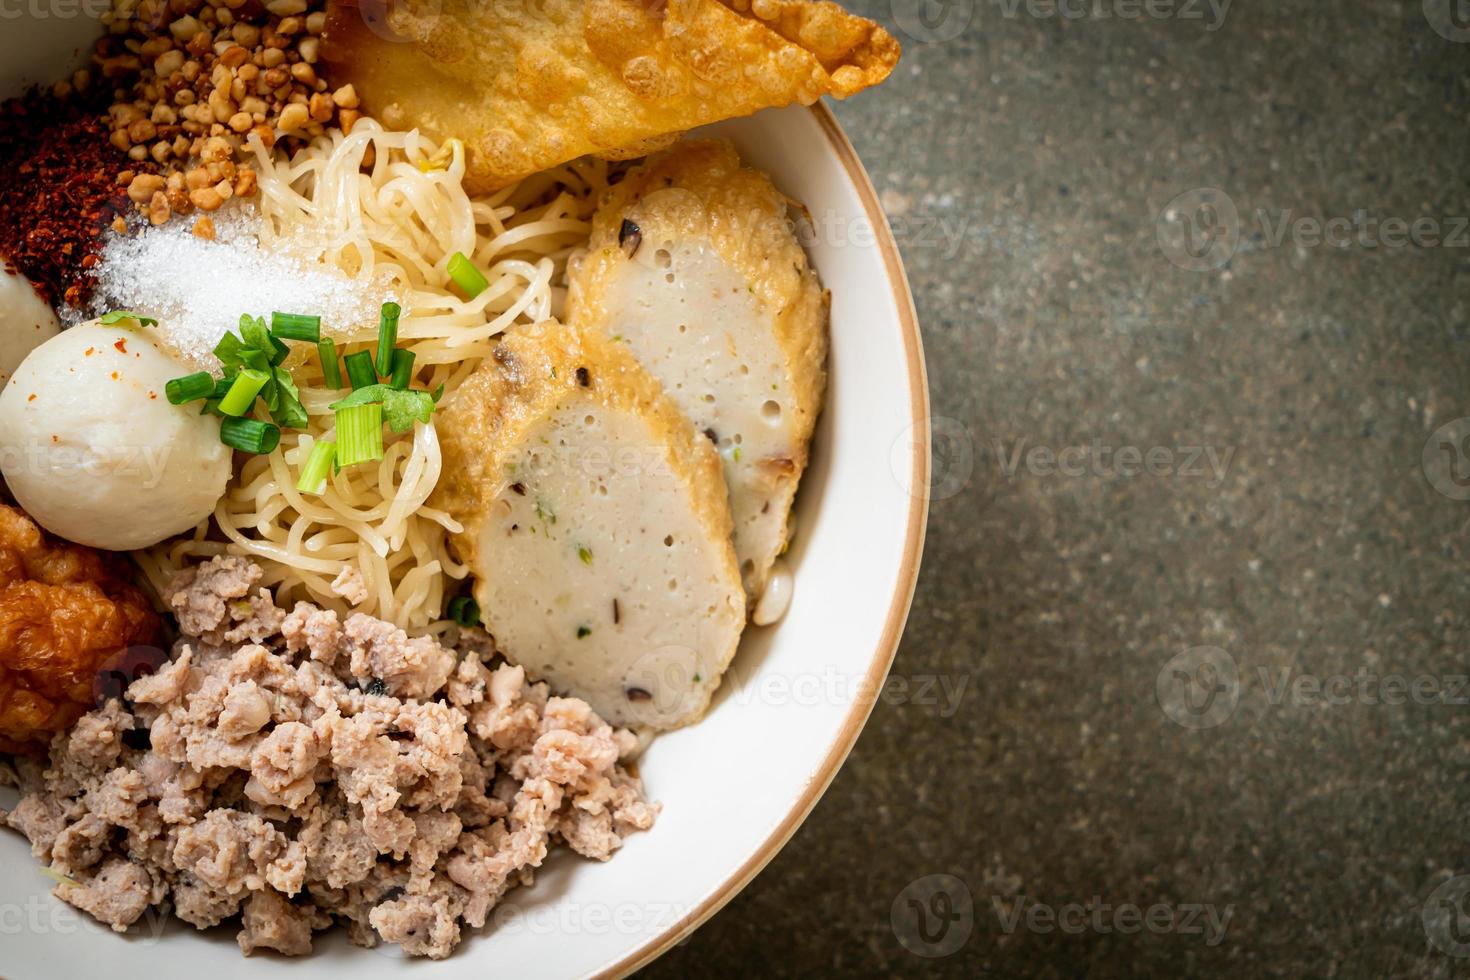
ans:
x=530 y=84
x=64 y=612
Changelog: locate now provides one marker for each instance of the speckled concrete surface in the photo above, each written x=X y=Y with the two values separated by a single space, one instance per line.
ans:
x=1093 y=614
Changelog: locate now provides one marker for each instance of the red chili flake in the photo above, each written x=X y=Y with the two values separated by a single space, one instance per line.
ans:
x=122 y=346
x=31 y=399
x=58 y=190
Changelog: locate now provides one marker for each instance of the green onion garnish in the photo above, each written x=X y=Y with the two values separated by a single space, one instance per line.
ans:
x=387 y=337
x=360 y=371
x=181 y=391
x=326 y=349
x=469 y=279
x=229 y=351
x=401 y=409
x=59 y=878
x=283 y=398
x=465 y=611
x=112 y=317
x=258 y=338
x=296 y=326
x=243 y=392
x=318 y=467
x=359 y=434
x=255 y=332
x=250 y=435
x=402 y=369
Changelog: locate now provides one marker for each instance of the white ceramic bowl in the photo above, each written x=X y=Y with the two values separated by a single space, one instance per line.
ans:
x=736 y=786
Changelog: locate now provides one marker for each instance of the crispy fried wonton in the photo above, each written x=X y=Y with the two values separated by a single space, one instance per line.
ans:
x=529 y=84
x=65 y=613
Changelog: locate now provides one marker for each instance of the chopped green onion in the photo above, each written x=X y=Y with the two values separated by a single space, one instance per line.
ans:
x=585 y=554
x=296 y=326
x=255 y=359
x=118 y=316
x=465 y=611
x=466 y=276
x=402 y=369
x=283 y=398
x=326 y=349
x=243 y=392
x=318 y=467
x=255 y=332
x=360 y=371
x=221 y=389
x=401 y=409
x=359 y=435
x=259 y=349
x=230 y=351
x=387 y=337
x=181 y=391
x=250 y=436
x=59 y=878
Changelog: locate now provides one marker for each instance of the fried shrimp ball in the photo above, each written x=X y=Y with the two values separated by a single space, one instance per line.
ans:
x=64 y=612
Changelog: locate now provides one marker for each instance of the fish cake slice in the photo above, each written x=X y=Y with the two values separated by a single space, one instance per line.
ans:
x=596 y=527
x=695 y=267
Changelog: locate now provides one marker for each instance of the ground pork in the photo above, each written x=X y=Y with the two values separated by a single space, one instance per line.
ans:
x=118 y=894
x=294 y=771
x=350 y=585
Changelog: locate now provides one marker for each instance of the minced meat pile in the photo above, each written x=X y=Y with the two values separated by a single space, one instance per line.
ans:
x=298 y=771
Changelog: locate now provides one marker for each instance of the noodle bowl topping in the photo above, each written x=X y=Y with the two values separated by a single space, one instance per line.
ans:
x=389 y=228
x=196 y=288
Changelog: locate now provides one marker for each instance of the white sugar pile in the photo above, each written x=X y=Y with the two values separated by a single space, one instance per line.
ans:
x=197 y=288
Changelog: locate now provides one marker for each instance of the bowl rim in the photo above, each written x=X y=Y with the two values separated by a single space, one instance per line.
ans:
x=903 y=595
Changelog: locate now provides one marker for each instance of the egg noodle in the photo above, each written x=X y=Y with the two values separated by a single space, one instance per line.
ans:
x=388 y=209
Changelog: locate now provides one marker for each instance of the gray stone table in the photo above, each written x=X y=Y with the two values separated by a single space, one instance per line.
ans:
x=1195 y=290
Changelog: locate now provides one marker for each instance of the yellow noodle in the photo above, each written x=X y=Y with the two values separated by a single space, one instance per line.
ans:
x=391 y=227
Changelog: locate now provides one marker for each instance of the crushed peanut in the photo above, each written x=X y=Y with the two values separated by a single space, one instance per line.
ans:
x=194 y=80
